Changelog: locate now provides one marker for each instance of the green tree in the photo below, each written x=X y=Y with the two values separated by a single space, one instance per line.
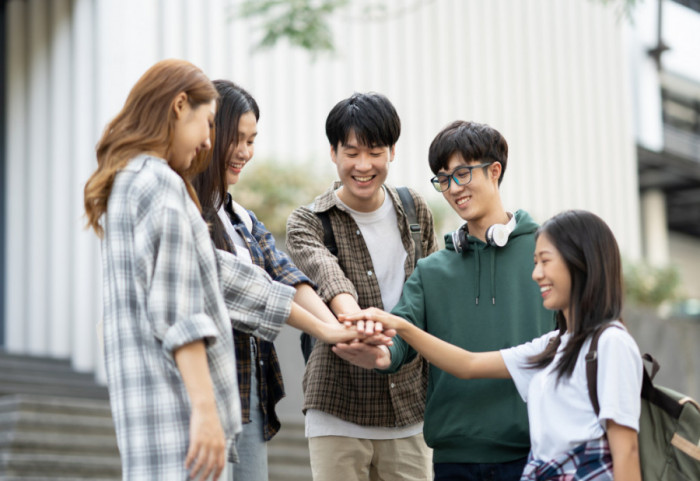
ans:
x=306 y=23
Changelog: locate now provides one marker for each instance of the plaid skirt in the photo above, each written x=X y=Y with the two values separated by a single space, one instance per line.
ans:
x=587 y=461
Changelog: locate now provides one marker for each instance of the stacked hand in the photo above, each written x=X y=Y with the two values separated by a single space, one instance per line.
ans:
x=373 y=320
x=351 y=332
x=374 y=329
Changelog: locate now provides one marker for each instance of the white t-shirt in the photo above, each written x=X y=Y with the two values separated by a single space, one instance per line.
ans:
x=385 y=248
x=381 y=233
x=561 y=415
x=242 y=251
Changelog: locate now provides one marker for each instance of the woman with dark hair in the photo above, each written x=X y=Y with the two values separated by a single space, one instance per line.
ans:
x=578 y=269
x=236 y=229
x=167 y=327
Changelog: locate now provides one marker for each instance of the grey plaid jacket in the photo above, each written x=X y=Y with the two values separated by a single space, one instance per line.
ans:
x=331 y=384
x=163 y=282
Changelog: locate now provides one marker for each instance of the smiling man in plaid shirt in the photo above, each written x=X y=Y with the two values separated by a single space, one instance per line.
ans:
x=362 y=425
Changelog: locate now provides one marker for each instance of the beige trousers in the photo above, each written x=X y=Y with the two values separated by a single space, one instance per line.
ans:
x=336 y=458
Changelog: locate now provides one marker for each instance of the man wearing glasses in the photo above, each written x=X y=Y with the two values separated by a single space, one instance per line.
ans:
x=476 y=293
x=362 y=425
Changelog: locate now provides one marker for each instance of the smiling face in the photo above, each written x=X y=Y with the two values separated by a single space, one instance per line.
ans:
x=190 y=132
x=242 y=149
x=552 y=275
x=478 y=202
x=362 y=170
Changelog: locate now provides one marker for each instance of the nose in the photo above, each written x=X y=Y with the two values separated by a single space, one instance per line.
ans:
x=454 y=186
x=536 y=272
x=243 y=151
x=207 y=143
x=363 y=162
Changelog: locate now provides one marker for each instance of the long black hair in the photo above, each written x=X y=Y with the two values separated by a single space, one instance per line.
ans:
x=592 y=256
x=210 y=184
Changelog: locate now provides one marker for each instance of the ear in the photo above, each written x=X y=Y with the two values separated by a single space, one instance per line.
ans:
x=495 y=170
x=179 y=104
x=392 y=153
x=334 y=155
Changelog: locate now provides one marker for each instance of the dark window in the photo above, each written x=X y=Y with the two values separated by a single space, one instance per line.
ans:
x=691 y=4
x=681 y=112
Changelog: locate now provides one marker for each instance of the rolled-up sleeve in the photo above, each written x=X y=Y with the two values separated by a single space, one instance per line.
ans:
x=277 y=263
x=176 y=305
x=309 y=253
x=256 y=304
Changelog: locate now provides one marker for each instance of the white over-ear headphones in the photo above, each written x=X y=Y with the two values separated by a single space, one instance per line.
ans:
x=497 y=235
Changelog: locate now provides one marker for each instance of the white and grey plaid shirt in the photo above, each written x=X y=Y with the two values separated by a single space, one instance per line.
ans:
x=163 y=284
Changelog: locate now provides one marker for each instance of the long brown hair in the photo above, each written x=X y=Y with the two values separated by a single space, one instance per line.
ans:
x=592 y=256
x=145 y=124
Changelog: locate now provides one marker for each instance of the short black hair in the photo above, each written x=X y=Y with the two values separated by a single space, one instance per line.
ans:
x=371 y=116
x=474 y=141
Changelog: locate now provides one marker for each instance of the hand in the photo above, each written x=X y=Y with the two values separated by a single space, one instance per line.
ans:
x=373 y=319
x=207 y=450
x=335 y=333
x=364 y=355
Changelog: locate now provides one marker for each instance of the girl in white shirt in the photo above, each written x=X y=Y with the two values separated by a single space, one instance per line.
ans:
x=578 y=268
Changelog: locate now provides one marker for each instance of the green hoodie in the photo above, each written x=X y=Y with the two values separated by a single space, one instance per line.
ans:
x=483 y=299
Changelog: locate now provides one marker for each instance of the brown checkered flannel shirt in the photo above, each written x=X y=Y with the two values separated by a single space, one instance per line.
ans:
x=264 y=254
x=331 y=384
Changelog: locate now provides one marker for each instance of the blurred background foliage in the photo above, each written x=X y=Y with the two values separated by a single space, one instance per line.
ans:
x=651 y=286
x=273 y=189
x=305 y=23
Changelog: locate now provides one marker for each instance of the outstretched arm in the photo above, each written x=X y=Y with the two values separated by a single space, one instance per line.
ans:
x=448 y=357
x=307 y=298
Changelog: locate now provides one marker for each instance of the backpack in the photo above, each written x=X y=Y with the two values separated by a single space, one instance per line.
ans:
x=308 y=341
x=669 y=424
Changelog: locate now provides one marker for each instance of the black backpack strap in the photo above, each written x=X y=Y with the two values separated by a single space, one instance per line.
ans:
x=414 y=227
x=592 y=366
x=308 y=341
x=328 y=236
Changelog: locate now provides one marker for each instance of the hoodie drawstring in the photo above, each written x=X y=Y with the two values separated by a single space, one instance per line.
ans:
x=493 y=276
x=477 y=274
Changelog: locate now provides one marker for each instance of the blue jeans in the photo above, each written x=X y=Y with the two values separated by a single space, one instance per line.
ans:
x=251 y=446
x=510 y=471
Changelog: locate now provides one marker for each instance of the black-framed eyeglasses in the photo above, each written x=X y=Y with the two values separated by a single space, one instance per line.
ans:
x=462 y=175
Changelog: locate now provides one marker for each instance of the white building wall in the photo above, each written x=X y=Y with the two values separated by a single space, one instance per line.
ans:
x=551 y=75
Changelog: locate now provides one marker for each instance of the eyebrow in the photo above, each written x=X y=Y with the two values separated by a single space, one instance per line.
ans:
x=450 y=172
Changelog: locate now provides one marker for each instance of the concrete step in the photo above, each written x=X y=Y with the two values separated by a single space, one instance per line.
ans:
x=26 y=362
x=55 y=423
x=48 y=437
x=279 y=472
x=59 y=443
x=288 y=454
x=56 y=465
x=55 y=404
x=59 y=477
x=40 y=375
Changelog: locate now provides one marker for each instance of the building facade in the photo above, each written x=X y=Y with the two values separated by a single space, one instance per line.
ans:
x=587 y=114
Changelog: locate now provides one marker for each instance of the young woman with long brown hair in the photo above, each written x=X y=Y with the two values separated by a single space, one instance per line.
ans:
x=170 y=298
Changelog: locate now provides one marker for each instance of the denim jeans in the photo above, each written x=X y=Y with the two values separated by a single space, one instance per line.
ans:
x=251 y=447
x=510 y=471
